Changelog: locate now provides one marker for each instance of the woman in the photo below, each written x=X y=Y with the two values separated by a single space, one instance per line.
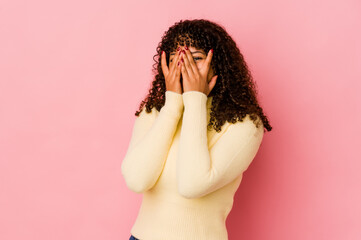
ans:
x=198 y=130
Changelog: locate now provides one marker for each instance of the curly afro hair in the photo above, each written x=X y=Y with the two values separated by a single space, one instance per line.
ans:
x=234 y=94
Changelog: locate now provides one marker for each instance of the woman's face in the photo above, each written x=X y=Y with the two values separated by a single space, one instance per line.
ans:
x=199 y=58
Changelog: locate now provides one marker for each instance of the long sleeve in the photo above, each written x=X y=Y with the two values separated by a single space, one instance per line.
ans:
x=150 y=142
x=200 y=170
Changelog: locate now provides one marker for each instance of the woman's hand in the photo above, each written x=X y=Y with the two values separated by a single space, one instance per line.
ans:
x=194 y=79
x=172 y=74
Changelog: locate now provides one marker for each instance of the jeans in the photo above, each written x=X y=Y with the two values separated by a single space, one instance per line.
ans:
x=133 y=238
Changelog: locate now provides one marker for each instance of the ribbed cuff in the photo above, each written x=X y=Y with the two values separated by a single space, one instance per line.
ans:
x=194 y=100
x=173 y=104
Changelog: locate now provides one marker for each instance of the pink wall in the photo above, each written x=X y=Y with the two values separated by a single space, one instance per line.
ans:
x=73 y=72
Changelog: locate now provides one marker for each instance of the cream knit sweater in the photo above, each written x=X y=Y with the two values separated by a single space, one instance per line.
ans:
x=188 y=175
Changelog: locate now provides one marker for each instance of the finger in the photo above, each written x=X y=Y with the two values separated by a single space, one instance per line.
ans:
x=164 y=66
x=187 y=67
x=174 y=62
x=208 y=60
x=173 y=71
x=191 y=64
x=184 y=72
x=212 y=83
x=178 y=71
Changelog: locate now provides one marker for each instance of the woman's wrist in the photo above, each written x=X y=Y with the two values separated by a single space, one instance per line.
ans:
x=173 y=103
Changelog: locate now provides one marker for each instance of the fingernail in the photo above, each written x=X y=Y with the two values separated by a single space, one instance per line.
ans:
x=162 y=52
x=178 y=63
x=178 y=48
x=212 y=50
x=186 y=47
x=183 y=51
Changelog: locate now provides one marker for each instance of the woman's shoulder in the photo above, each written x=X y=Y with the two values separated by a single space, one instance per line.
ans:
x=249 y=126
x=236 y=131
x=153 y=112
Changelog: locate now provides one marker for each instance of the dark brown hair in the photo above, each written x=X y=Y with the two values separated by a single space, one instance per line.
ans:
x=234 y=94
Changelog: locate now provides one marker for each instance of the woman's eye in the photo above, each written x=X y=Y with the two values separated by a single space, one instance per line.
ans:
x=195 y=58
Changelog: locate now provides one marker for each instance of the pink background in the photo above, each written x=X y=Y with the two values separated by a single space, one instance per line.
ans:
x=72 y=74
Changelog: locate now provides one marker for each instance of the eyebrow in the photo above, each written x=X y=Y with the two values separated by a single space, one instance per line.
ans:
x=191 y=52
